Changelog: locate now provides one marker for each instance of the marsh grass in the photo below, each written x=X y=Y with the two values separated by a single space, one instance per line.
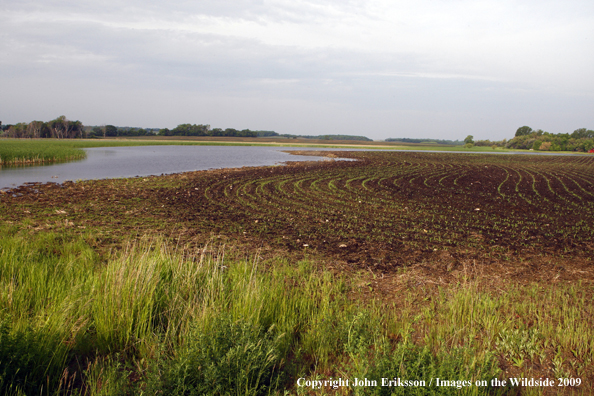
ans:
x=23 y=152
x=149 y=320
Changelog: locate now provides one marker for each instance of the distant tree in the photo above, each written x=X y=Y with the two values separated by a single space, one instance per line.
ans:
x=34 y=129
x=582 y=133
x=63 y=128
x=96 y=132
x=523 y=131
x=17 y=130
x=545 y=146
x=248 y=133
x=266 y=133
x=484 y=143
x=469 y=139
x=230 y=132
x=327 y=137
x=436 y=141
x=59 y=127
x=75 y=130
x=111 y=130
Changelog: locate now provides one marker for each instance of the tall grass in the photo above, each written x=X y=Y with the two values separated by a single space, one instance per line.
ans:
x=148 y=320
x=20 y=151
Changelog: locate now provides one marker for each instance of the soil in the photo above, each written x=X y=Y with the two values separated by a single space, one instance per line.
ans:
x=519 y=217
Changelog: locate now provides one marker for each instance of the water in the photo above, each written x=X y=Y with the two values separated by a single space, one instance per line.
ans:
x=115 y=162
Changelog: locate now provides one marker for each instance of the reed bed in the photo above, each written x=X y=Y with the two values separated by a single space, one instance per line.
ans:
x=149 y=320
x=28 y=152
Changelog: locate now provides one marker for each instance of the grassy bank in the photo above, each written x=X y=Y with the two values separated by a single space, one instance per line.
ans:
x=148 y=320
x=21 y=152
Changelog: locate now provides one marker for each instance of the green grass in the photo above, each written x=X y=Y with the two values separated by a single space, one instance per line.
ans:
x=18 y=152
x=148 y=320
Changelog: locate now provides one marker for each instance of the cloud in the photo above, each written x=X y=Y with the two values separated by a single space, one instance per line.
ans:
x=457 y=64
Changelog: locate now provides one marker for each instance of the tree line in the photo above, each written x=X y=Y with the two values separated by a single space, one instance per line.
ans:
x=205 y=130
x=434 y=141
x=113 y=131
x=60 y=128
x=581 y=140
x=329 y=137
x=318 y=137
x=63 y=128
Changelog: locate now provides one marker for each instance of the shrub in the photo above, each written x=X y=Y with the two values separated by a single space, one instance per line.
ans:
x=545 y=146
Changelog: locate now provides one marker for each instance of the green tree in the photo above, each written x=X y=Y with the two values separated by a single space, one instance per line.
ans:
x=59 y=127
x=523 y=131
x=582 y=133
x=34 y=129
x=17 y=131
x=111 y=130
x=469 y=139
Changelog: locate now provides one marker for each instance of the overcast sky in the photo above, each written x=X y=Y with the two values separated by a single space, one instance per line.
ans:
x=416 y=68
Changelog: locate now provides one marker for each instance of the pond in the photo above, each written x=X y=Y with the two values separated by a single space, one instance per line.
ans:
x=115 y=162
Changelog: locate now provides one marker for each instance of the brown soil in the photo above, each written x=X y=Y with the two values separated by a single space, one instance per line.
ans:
x=517 y=217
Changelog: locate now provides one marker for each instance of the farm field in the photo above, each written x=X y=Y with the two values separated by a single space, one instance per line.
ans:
x=487 y=253
x=387 y=209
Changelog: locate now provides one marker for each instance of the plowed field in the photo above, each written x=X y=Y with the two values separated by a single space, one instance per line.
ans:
x=382 y=211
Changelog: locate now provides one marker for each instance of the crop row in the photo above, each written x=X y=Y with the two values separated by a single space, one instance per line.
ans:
x=386 y=206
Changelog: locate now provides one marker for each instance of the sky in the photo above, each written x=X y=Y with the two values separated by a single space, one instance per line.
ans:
x=441 y=69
